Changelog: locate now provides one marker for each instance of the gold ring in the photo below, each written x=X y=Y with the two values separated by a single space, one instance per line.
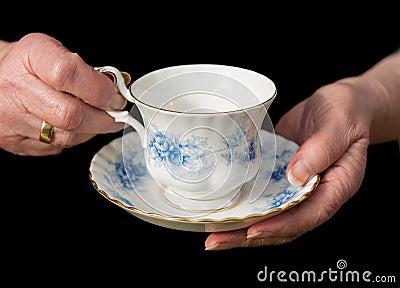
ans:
x=46 y=132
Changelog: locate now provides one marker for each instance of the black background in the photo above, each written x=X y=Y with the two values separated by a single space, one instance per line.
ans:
x=57 y=229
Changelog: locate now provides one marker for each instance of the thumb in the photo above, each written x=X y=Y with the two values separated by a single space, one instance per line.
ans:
x=316 y=154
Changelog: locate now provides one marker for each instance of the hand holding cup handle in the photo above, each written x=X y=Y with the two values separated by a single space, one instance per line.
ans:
x=122 y=80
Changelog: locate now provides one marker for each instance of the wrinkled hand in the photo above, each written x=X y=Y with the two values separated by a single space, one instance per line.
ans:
x=332 y=127
x=40 y=80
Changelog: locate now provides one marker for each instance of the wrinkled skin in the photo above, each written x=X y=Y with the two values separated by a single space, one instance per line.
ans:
x=333 y=127
x=42 y=80
x=329 y=116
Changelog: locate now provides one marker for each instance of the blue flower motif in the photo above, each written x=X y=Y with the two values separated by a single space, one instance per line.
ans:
x=160 y=146
x=126 y=174
x=163 y=149
x=279 y=172
x=168 y=150
x=283 y=197
x=281 y=165
x=175 y=157
x=252 y=149
x=235 y=142
x=120 y=174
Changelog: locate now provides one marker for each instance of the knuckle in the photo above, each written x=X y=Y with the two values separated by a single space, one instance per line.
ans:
x=69 y=116
x=65 y=139
x=270 y=241
x=64 y=70
x=68 y=140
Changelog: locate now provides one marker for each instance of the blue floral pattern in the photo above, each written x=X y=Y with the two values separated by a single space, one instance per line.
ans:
x=283 y=159
x=124 y=177
x=191 y=152
x=238 y=150
x=279 y=199
x=163 y=148
x=124 y=180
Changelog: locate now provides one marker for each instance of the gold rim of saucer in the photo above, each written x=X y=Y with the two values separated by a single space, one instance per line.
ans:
x=208 y=220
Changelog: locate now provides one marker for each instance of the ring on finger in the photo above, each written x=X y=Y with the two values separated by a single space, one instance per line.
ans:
x=46 y=132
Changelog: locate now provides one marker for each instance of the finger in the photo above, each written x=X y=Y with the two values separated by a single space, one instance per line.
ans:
x=67 y=139
x=337 y=185
x=66 y=71
x=296 y=221
x=238 y=238
x=281 y=228
x=65 y=111
x=333 y=191
x=226 y=240
x=325 y=134
x=60 y=137
x=32 y=147
x=32 y=129
x=317 y=153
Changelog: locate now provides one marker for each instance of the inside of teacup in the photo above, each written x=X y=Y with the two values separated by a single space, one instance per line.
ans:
x=203 y=89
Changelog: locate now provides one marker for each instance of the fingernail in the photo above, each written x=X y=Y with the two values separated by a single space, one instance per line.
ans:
x=298 y=174
x=219 y=246
x=117 y=102
x=254 y=235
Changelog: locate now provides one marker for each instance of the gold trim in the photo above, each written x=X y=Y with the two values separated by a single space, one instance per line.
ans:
x=204 y=113
x=125 y=75
x=272 y=97
x=207 y=220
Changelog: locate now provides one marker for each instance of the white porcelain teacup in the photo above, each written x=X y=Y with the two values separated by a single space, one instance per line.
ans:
x=200 y=133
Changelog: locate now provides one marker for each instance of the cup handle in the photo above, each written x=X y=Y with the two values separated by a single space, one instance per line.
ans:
x=121 y=80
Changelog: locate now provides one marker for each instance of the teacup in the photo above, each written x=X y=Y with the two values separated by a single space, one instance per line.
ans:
x=200 y=129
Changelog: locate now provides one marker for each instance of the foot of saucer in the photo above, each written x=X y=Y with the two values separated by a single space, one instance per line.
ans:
x=196 y=205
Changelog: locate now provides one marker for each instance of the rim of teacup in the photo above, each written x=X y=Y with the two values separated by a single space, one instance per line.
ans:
x=185 y=68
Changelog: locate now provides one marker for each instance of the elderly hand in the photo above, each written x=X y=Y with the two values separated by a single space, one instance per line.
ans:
x=333 y=134
x=332 y=128
x=41 y=80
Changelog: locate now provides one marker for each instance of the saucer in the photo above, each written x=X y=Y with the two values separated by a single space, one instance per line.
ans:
x=120 y=175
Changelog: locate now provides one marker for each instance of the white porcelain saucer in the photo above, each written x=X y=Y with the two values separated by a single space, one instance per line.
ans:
x=120 y=175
